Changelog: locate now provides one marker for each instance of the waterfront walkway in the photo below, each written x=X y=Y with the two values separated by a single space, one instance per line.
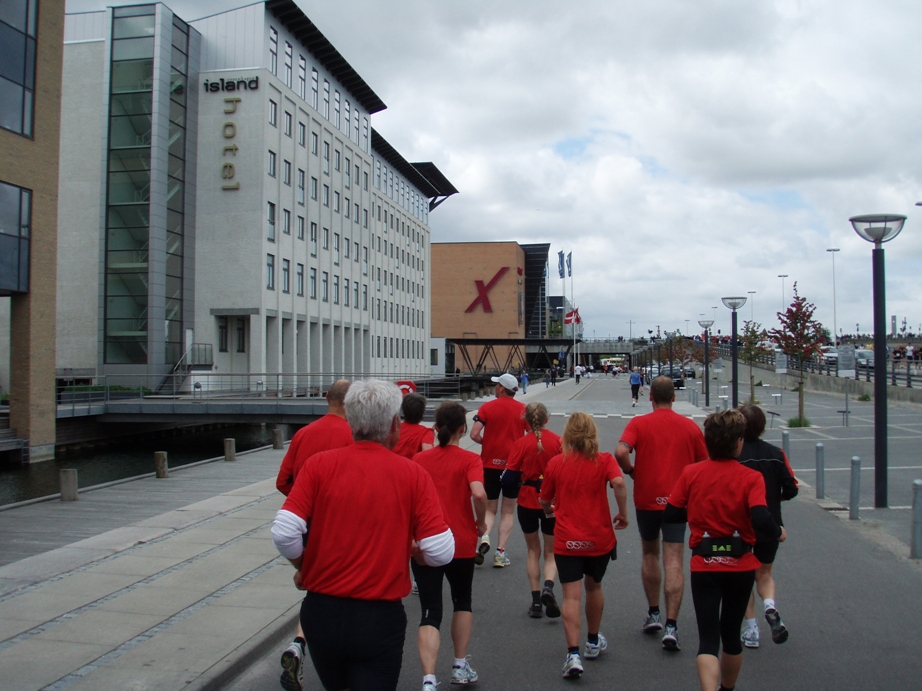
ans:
x=175 y=584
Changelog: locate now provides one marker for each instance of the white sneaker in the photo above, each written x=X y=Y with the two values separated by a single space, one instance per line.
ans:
x=464 y=674
x=500 y=560
x=573 y=667
x=482 y=549
x=429 y=685
x=594 y=649
x=292 y=678
x=750 y=637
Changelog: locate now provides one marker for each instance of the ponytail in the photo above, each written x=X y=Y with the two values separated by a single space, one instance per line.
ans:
x=536 y=417
x=449 y=418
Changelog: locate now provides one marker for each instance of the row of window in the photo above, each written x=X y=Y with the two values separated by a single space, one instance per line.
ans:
x=404 y=348
x=18 y=26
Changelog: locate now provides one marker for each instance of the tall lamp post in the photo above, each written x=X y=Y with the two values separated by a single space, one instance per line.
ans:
x=670 y=335
x=630 y=331
x=734 y=304
x=706 y=324
x=833 y=251
x=752 y=306
x=879 y=228
x=782 y=277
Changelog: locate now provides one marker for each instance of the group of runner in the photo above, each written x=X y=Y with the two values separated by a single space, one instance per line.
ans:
x=558 y=487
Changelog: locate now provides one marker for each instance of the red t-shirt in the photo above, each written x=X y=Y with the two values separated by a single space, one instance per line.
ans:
x=579 y=489
x=719 y=496
x=503 y=424
x=525 y=457
x=453 y=470
x=329 y=432
x=412 y=437
x=664 y=442
x=364 y=505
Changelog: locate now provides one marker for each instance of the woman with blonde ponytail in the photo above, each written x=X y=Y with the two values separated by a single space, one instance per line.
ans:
x=526 y=464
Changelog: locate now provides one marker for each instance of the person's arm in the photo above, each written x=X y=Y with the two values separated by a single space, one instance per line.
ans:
x=623 y=456
x=288 y=536
x=479 y=496
x=477 y=431
x=789 y=486
x=764 y=524
x=620 y=521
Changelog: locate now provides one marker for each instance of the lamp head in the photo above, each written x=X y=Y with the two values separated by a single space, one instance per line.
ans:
x=705 y=323
x=878 y=228
x=733 y=303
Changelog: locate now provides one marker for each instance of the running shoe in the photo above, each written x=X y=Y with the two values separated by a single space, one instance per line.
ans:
x=463 y=674
x=292 y=678
x=779 y=630
x=430 y=685
x=652 y=623
x=535 y=611
x=482 y=549
x=550 y=603
x=594 y=649
x=500 y=559
x=573 y=667
x=671 y=638
x=750 y=637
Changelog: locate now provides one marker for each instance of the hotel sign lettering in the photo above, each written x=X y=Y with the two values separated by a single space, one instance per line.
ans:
x=229 y=128
x=483 y=292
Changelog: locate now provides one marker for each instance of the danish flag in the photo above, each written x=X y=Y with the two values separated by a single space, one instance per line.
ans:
x=573 y=317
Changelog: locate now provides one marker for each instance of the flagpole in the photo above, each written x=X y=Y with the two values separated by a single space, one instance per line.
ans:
x=573 y=323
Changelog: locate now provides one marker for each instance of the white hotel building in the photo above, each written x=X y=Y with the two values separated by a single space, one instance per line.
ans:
x=225 y=198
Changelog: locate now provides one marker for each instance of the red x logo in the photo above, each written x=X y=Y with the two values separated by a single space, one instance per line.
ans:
x=483 y=290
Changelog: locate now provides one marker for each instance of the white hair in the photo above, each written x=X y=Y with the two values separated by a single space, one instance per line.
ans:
x=371 y=406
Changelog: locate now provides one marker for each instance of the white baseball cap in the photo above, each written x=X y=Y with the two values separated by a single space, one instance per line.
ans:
x=507 y=381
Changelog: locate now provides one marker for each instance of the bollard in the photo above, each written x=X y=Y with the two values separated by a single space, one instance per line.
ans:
x=161 y=466
x=68 y=480
x=915 y=551
x=278 y=441
x=786 y=444
x=908 y=376
x=230 y=449
x=855 y=493
x=820 y=471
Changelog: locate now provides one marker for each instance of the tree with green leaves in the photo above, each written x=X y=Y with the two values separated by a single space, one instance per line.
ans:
x=800 y=337
x=750 y=350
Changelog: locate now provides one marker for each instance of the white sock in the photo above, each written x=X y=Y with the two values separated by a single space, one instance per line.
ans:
x=460 y=662
x=500 y=551
x=429 y=677
x=769 y=604
x=752 y=624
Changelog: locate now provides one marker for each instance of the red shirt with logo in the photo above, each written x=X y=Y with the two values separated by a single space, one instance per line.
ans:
x=453 y=470
x=363 y=505
x=503 y=425
x=412 y=437
x=664 y=442
x=526 y=458
x=329 y=432
x=578 y=488
x=719 y=497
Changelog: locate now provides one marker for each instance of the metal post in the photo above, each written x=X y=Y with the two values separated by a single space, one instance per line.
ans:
x=820 y=471
x=734 y=353
x=786 y=444
x=880 y=381
x=908 y=374
x=915 y=551
x=161 y=467
x=707 y=369
x=846 y=401
x=892 y=372
x=855 y=493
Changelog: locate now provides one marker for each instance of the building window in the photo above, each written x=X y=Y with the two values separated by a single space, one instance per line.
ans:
x=364 y=218
x=314 y=189
x=336 y=248
x=272 y=164
x=287 y=124
x=335 y=289
x=273 y=113
x=313 y=239
x=336 y=202
x=286 y=221
x=286 y=283
x=222 y=334
x=336 y=160
x=270 y=271
x=301 y=187
x=348 y=171
x=288 y=65
x=355 y=253
x=336 y=112
x=345 y=292
x=299 y=279
x=348 y=116
x=365 y=135
x=365 y=297
x=356 y=215
x=286 y=172
x=326 y=99
x=326 y=157
x=270 y=222
x=314 y=142
x=302 y=76
x=273 y=51
x=355 y=293
x=313 y=284
x=17 y=66
x=325 y=287
x=355 y=133
x=15 y=227
x=300 y=227
x=326 y=195
x=326 y=238
x=365 y=261
x=315 y=87
x=346 y=207
x=241 y=335
x=346 y=249
x=302 y=134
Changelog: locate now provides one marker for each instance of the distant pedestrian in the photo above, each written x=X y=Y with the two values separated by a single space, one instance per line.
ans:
x=577 y=371
x=547 y=378
x=636 y=383
x=524 y=380
x=554 y=375
x=414 y=437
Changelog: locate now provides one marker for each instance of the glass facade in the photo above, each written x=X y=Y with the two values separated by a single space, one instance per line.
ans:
x=15 y=226
x=18 y=24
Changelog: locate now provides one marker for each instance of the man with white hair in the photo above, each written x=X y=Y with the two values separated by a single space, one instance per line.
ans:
x=368 y=511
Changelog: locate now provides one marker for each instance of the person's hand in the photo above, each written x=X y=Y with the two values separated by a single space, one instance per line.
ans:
x=620 y=521
x=297 y=579
x=481 y=528
x=417 y=553
x=784 y=534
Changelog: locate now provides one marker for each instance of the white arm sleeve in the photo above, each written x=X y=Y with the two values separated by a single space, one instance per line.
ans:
x=287 y=532
x=439 y=549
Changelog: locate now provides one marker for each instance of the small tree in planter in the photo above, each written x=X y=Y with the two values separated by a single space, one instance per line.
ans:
x=750 y=350
x=800 y=336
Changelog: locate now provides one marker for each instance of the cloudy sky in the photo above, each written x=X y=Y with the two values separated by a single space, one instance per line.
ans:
x=682 y=151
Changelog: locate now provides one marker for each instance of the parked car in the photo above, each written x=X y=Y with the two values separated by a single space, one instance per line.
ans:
x=829 y=355
x=689 y=372
x=678 y=379
x=864 y=358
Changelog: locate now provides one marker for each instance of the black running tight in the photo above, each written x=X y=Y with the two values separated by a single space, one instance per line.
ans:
x=720 y=599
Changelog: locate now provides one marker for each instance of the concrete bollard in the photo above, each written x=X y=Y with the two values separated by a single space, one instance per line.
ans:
x=820 y=471
x=230 y=449
x=67 y=478
x=160 y=464
x=855 y=494
x=278 y=441
x=915 y=551
x=786 y=444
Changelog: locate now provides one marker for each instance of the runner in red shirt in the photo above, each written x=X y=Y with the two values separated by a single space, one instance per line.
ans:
x=663 y=443
x=458 y=477
x=368 y=510
x=414 y=437
x=575 y=490
x=527 y=463
x=497 y=426
x=724 y=504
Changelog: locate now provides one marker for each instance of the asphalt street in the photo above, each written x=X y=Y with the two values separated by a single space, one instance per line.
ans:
x=848 y=597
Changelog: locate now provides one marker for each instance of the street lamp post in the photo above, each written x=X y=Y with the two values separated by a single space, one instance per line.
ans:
x=706 y=324
x=833 y=251
x=734 y=303
x=782 y=277
x=671 y=335
x=879 y=228
x=752 y=306
x=630 y=331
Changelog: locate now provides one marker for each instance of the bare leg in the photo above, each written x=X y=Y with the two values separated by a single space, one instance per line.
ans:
x=675 y=579
x=765 y=583
x=532 y=565
x=708 y=672
x=595 y=603
x=506 y=521
x=751 y=607
x=572 y=594
x=650 y=571
x=730 y=669
x=461 y=624
x=428 y=641
x=490 y=517
x=550 y=564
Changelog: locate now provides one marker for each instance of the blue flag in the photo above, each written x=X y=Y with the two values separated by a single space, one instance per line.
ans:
x=560 y=263
x=569 y=264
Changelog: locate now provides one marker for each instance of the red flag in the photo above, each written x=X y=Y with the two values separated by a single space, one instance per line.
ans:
x=573 y=317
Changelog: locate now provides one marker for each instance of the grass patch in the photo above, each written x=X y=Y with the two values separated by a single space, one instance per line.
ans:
x=864 y=397
x=798 y=422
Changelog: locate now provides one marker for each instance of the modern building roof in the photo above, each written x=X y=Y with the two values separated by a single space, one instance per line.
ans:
x=319 y=45
x=425 y=176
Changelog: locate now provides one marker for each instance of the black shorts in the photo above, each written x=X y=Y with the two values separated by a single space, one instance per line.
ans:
x=494 y=487
x=571 y=569
x=765 y=551
x=650 y=524
x=531 y=519
x=354 y=644
x=460 y=576
x=635 y=389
